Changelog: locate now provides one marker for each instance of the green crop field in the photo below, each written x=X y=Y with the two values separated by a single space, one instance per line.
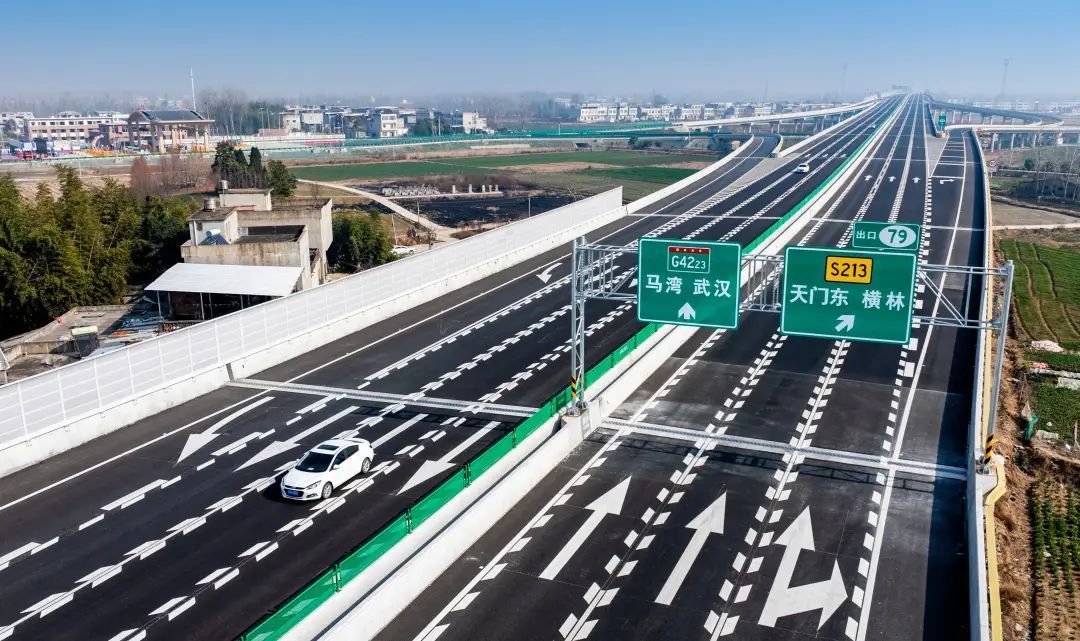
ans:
x=658 y=175
x=1046 y=288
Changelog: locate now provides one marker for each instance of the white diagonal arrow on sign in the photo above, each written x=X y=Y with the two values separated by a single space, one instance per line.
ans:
x=785 y=600
x=610 y=502
x=429 y=469
x=845 y=322
x=196 y=441
x=545 y=275
x=277 y=447
x=711 y=521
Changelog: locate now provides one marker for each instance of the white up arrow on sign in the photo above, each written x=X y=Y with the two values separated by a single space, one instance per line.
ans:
x=708 y=522
x=610 y=502
x=846 y=322
x=686 y=312
x=785 y=600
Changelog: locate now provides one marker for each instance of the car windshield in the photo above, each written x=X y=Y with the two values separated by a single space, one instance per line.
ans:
x=314 y=462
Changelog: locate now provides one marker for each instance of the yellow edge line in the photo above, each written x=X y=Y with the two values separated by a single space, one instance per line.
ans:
x=992 y=584
x=991 y=551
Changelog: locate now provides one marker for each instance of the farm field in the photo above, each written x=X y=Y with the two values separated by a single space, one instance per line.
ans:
x=659 y=175
x=1047 y=290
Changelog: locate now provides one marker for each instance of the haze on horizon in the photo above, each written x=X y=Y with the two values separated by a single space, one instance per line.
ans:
x=779 y=49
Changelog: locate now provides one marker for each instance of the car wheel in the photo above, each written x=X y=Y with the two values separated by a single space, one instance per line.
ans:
x=327 y=490
x=365 y=466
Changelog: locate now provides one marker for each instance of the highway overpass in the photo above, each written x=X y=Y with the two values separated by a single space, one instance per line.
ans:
x=746 y=483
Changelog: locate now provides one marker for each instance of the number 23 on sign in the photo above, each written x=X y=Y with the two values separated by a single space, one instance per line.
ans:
x=848 y=269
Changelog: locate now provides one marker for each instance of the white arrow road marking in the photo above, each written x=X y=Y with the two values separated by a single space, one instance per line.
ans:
x=545 y=275
x=196 y=441
x=846 y=322
x=50 y=603
x=611 y=502
x=711 y=521
x=916 y=179
x=398 y=430
x=428 y=469
x=946 y=180
x=892 y=178
x=867 y=177
x=686 y=312
x=101 y=575
x=785 y=600
x=277 y=447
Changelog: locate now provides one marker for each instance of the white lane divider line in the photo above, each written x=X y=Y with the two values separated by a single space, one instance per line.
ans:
x=50 y=604
x=101 y=575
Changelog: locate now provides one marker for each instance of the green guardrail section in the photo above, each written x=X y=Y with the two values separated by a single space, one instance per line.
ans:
x=318 y=591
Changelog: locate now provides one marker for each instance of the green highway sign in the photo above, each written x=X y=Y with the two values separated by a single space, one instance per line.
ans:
x=848 y=295
x=941 y=120
x=688 y=282
x=885 y=236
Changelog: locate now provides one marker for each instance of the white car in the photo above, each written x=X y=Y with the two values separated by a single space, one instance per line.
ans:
x=326 y=466
x=403 y=250
x=802 y=168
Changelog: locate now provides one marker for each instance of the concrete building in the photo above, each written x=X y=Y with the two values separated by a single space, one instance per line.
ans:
x=594 y=112
x=690 y=112
x=242 y=249
x=66 y=127
x=385 y=122
x=468 y=122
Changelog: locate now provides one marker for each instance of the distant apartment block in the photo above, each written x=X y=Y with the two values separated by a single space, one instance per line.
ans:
x=66 y=127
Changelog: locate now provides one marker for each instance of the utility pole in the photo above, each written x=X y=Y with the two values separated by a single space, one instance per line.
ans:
x=191 y=72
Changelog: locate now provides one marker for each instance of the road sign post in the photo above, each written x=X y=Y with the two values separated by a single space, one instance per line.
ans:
x=848 y=295
x=885 y=236
x=685 y=282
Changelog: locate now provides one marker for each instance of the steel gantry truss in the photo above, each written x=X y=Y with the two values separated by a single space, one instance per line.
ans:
x=597 y=274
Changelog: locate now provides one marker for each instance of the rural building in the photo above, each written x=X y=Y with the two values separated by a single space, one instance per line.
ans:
x=243 y=249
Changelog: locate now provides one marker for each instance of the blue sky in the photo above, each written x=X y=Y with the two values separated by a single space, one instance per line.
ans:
x=417 y=48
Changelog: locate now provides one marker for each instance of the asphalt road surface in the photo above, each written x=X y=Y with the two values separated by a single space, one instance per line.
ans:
x=172 y=528
x=761 y=486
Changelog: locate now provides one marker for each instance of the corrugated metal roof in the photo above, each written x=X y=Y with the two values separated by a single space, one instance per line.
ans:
x=251 y=280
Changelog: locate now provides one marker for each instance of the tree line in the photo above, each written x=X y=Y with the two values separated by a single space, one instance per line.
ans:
x=246 y=171
x=82 y=245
